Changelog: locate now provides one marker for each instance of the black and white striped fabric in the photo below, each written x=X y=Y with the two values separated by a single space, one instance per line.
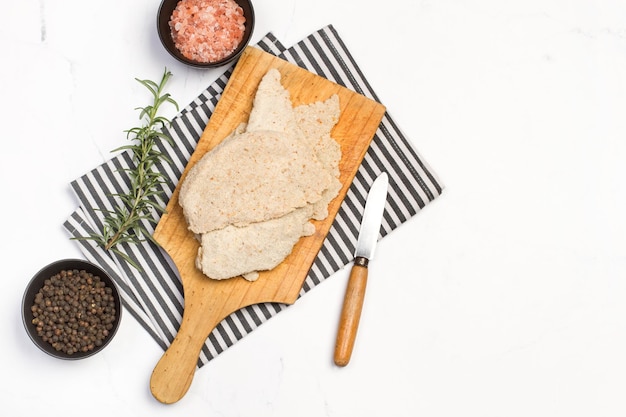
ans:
x=154 y=296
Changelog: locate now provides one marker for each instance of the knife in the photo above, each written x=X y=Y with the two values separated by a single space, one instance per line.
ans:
x=355 y=291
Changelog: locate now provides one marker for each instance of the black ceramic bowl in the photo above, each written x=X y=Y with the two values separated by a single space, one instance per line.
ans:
x=163 y=17
x=37 y=283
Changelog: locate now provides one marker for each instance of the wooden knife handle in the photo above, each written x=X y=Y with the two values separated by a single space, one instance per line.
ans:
x=351 y=312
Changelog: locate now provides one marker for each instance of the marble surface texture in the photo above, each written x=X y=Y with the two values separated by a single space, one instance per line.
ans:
x=504 y=297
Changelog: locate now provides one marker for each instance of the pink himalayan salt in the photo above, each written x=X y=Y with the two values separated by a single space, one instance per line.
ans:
x=207 y=30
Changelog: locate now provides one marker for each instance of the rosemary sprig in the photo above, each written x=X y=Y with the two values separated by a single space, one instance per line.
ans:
x=125 y=223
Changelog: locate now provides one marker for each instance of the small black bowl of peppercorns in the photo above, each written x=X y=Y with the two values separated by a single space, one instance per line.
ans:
x=71 y=309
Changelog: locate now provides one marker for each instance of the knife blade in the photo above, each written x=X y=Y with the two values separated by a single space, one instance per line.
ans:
x=357 y=282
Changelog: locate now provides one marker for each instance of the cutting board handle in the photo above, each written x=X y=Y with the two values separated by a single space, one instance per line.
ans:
x=173 y=374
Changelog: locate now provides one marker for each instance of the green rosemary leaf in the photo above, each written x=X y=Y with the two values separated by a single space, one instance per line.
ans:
x=125 y=222
x=130 y=261
x=164 y=137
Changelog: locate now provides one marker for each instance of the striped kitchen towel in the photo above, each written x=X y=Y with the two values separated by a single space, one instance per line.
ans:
x=154 y=295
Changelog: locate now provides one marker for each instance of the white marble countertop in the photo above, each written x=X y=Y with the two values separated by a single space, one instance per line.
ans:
x=512 y=300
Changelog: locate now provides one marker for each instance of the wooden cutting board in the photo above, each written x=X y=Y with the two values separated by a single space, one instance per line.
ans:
x=207 y=301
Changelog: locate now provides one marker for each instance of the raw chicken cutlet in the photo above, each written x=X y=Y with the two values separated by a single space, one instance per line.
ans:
x=251 y=198
x=251 y=177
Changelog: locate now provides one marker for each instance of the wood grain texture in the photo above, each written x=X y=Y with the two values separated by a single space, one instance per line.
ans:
x=350 y=314
x=207 y=301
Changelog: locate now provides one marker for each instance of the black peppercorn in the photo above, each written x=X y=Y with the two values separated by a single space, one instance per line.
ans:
x=73 y=311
